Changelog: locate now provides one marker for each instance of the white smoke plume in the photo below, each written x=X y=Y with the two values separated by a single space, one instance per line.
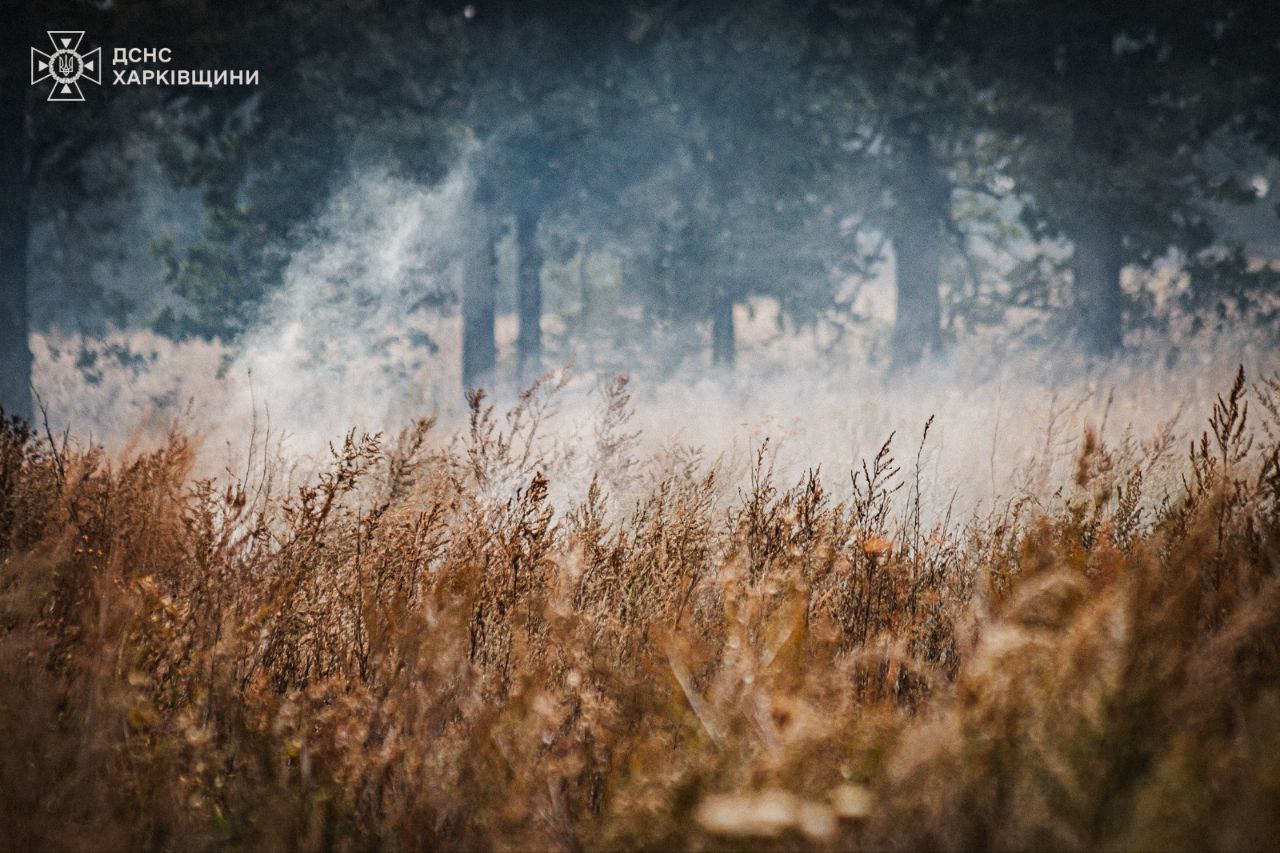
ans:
x=354 y=339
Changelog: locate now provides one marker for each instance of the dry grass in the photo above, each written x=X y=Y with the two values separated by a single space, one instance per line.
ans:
x=416 y=650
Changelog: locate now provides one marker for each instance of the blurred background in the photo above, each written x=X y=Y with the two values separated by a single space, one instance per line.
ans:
x=418 y=198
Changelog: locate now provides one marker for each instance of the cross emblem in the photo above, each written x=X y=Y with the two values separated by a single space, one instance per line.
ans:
x=66 y=66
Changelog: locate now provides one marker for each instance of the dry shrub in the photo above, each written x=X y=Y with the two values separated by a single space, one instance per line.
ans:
x=416 y=649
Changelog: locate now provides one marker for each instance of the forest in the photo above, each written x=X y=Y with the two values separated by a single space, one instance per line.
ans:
x=822 y=424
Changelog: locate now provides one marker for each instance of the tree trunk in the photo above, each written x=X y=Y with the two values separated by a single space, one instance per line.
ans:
x=15 y=350
x=918 y=245
x=1096 y=266
x=1094 y=227
x=724 y=347
x=479 y=289
x=917 y=329
x=529 y=297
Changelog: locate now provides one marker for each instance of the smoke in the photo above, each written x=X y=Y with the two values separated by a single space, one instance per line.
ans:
x=361 y=335
x=356 y=336
x=364 y=335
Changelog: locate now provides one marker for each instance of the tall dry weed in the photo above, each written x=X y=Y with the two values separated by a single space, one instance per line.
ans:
x=416 y=648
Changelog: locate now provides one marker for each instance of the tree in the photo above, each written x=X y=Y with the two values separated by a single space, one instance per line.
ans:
x=1115 y=105
x=411 y=89
x=529 y=294
x=917 y=226
x=479 y=292
x=534 y=85
x=15 y=351
x=913 y=118
x=44 y=151
x=738 y=205
x=340 y=89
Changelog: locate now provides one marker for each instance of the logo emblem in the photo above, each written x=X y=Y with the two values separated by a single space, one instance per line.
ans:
x=66 y=66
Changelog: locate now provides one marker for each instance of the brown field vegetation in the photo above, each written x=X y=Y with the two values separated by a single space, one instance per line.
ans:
x=415 y=650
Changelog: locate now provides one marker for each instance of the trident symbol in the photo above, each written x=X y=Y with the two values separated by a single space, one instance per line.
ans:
x=66 y=66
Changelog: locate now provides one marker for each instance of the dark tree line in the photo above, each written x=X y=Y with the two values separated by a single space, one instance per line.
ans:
x=15 y=226
x=729 y=150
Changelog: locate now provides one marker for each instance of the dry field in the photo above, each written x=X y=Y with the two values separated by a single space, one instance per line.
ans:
x=419 y=648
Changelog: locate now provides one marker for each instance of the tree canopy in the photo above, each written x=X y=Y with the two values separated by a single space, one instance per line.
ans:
x=1005 y=156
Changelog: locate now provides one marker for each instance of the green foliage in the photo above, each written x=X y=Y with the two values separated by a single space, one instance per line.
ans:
x=342 y=89
x=713 y=150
